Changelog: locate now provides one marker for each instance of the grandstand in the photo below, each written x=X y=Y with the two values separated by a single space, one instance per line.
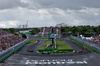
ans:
x=8 y=40
x=94 y=41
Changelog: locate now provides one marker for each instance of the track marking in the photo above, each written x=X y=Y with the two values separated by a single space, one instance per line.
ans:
x=54 y=61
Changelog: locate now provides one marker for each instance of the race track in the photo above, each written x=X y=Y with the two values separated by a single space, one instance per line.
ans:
x=25 y=58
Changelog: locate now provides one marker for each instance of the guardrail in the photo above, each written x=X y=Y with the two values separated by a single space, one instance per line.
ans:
x=10 y=51
x=94 y=48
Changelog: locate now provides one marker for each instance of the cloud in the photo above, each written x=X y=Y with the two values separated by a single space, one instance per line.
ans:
x=67 y=4
x=41 y=13
x=9 y=4
x=2 y=26
x=85 y=16
x=8 y=24
x=13 y=23
x=38 y=4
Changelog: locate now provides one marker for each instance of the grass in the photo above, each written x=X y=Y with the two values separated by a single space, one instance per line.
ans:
x=82 y=45
x=88 y=47
x=44 y=45
x=61 y=45
x=39 y=38
x=31 y=41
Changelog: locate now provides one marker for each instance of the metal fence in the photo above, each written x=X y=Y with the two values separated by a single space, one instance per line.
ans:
x=85 y=42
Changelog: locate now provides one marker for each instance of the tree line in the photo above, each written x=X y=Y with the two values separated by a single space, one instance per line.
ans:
x=84 y=30
x=14 y=31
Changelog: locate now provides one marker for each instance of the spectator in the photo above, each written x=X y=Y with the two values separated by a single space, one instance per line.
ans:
x=95 y=40
x=8 y=40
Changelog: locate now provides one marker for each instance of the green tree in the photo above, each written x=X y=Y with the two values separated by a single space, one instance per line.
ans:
x=98 y=29
x=35 y=30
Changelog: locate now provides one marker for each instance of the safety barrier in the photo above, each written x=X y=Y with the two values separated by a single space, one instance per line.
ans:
x=85 y=44
x=55 y=51
x=5 y=54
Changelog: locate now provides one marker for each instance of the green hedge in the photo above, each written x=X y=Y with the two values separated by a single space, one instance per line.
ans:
x=55 y=51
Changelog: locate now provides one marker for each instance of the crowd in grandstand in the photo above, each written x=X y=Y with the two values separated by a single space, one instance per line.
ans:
x=92 y=40
x=8 y=40
x=3 y=33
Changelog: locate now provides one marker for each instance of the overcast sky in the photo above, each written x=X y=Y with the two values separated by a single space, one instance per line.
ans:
x=41 y=13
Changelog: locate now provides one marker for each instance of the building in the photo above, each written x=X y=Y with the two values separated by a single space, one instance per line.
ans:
x=25 y=32
x=46 y=31
x=61 y=25
x=23 y=26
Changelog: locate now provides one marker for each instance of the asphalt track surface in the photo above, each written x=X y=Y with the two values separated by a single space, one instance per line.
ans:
x=25 y=58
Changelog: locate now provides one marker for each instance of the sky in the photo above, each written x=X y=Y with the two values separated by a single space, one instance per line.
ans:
x=40 y=13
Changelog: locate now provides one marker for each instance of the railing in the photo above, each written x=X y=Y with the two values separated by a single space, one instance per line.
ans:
x=8 y=52
x=94 y=47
